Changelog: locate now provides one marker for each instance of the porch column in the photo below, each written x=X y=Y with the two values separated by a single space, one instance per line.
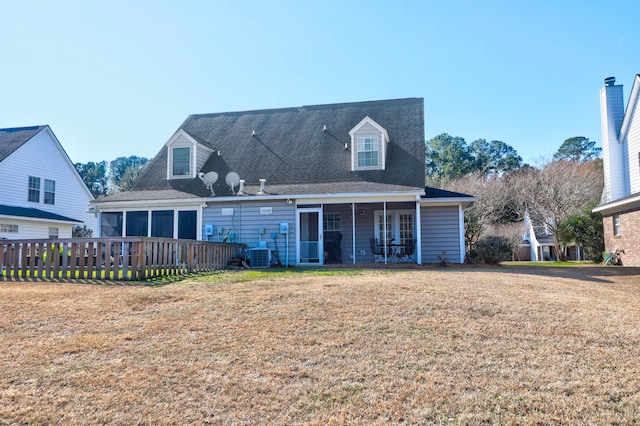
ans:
x=353 y=232
x=384 y=229
x=418 y=252
x=461 y=229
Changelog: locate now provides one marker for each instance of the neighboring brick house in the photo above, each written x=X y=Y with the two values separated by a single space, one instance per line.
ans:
x=316 y=182
x=620 y=206
x=41 y=193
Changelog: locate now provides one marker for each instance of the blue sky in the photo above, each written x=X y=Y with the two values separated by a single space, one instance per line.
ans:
x=117 y=78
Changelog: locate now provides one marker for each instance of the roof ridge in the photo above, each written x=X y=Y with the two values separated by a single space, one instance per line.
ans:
x=14 y=129
x=318 y=106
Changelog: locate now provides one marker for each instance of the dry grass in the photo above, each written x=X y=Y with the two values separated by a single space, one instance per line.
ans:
x=435 y=346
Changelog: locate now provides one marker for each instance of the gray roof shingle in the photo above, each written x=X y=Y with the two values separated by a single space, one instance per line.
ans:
x=13 y=138
x=33 y=213
x=292 y=152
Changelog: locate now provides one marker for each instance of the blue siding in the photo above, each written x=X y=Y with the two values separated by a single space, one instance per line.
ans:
x=246 y=221
x=440 y=227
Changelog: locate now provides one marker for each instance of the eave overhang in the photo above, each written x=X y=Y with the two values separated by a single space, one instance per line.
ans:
x=631 y=202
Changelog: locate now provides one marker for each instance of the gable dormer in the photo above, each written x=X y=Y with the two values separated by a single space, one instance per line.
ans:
x=185 y=156
x=368 y=145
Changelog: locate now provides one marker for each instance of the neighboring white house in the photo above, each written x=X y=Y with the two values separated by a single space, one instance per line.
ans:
x=41 y=193
x=620 y=204
x=537 y=244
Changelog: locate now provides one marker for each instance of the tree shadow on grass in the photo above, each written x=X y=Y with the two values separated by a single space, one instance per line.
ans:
x=600 y=274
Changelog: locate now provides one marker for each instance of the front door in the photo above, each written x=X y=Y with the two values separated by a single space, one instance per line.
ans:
x=310 y=247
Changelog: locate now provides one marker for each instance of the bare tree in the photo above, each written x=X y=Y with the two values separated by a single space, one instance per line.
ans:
x=492 y=201
x=555 y=192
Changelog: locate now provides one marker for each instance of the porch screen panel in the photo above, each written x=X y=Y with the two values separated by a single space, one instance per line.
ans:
x=162 y=223
x=137 y=224
x=187 y=221
x=111 y=224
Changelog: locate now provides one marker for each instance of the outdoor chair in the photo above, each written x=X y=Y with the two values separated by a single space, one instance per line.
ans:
x=377 y=250
x=409 y=251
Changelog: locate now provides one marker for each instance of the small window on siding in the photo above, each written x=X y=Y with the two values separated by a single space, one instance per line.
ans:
x=53 y=233
x=181 y=160
x=6 y=227
x=34 y=189
x=49 y=191
x=616 y=225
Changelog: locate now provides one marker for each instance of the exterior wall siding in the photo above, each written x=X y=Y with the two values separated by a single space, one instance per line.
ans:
x=633 y=146
x=42 y=157
x=440 y=227
x=246 y=221
x=29 y=229
x=201 y=157
x=628 y=238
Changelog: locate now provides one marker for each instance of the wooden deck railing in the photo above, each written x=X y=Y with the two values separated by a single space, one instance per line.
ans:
x=130 y=258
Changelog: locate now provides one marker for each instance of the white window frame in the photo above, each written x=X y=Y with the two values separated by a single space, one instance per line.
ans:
x=54 y=233
x=616 y=225
x=34 y=189
x=172 y=164
x=368 y=144
x=367 y=129
x=330 y=219
x=393 y=225
x=8 y=228
x=52 y=192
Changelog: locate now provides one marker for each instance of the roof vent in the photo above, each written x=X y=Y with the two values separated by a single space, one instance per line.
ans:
x=262 y=182
x=610 y=81
x=241 y=188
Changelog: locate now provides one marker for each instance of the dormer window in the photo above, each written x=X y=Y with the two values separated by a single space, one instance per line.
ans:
x=185 y=156
x=181 y=160
x=368 y=152
x=368 y=145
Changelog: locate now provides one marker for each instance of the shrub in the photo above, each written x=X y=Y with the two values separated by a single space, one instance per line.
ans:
x=491 y=249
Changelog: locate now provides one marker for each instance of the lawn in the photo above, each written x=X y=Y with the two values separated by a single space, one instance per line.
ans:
x=425 y=346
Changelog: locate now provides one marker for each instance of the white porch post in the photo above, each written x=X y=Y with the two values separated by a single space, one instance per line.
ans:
x=175 y=224
x=124 y=224
x=461 y=226
x=384 y=229
x=353 y=232
x=418 y=253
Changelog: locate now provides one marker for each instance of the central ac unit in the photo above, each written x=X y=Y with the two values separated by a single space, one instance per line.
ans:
x=260 y=258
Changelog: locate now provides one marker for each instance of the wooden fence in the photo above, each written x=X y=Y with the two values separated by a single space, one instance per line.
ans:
x=130 y=258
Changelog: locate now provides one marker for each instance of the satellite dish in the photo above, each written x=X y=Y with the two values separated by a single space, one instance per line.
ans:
x=232 y=180
x=209 y=179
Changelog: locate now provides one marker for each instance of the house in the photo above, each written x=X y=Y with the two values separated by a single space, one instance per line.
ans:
x=315 y=183
x=41 y=193
x=620 y=204
x=538 y=245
